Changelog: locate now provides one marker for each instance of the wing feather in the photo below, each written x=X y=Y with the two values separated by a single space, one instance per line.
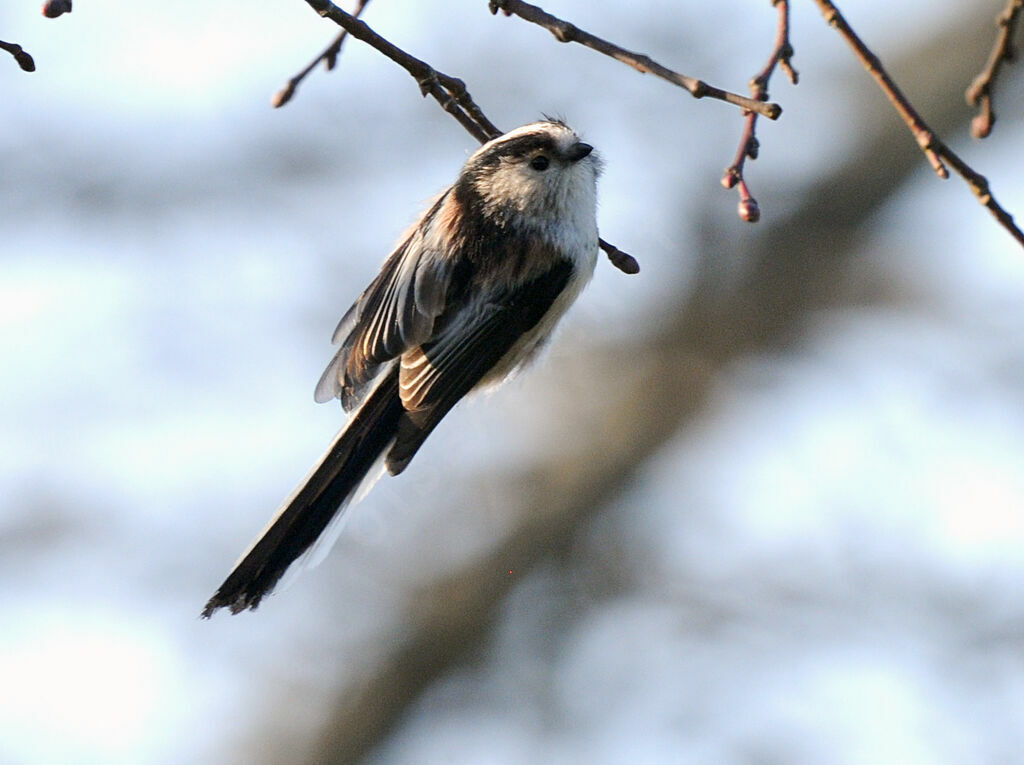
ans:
x=395 y=313
x=434 y=376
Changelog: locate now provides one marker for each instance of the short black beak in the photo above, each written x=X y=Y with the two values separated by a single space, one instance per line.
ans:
x=578 y=151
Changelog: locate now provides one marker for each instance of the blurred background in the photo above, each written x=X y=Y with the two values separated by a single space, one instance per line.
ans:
x=761 y=503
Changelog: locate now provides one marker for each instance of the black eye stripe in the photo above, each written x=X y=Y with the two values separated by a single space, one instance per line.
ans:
x=520 y=146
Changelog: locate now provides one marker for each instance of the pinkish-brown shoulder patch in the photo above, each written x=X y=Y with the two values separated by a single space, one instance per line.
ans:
x=449 y=217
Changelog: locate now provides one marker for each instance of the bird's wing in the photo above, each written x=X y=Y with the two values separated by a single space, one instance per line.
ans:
x=435 y=375
x=395 y=313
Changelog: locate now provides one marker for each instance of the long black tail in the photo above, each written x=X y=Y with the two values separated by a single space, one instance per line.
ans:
x=311 y=507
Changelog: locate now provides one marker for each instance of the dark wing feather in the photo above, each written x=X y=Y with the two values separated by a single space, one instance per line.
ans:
x=440 y=372
x=395 y=313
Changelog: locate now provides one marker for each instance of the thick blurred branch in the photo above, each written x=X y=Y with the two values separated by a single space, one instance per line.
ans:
x=980 y=92
x=563 y=31
x=641 y=393
x=934 y=148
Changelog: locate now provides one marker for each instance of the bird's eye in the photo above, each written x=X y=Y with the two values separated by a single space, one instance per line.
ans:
x=540 y=162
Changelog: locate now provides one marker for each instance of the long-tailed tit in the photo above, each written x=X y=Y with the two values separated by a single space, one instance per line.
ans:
x=471 y=293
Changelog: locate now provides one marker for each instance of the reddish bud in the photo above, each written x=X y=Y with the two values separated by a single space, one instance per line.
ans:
x=981 y=126
x=749 y=211
x=54 y=8
x=283 y=96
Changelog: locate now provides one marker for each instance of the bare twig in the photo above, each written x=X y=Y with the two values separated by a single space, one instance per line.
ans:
x=329 y=57
x=21 y=56
x=781 y=56
x=566 y=32
x=448 y=91
x=980 y=91
x=933 y=147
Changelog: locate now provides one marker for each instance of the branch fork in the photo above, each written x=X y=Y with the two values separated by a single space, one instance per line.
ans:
x=452 y=95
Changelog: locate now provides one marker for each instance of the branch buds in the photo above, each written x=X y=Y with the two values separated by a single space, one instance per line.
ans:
x=749 y=210
x=54 y=8
x=981 y=125
x=284 y=95
x=25 y=61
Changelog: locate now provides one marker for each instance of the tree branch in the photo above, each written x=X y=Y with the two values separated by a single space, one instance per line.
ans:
x=933 y=147
x=448 y=91
x=749 y=145
x=566 y=32
x=21 y=56
x=980 y=91
x=329 y=57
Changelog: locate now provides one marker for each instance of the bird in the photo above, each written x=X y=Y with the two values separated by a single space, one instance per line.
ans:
x=470 y=294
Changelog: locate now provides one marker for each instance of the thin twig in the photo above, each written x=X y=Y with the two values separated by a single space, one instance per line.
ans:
x=566 y=32
x=980 y=91
x=781 y=56
x=933 y=147
x=329 y=57
x=448 y=91
x=20 y=55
